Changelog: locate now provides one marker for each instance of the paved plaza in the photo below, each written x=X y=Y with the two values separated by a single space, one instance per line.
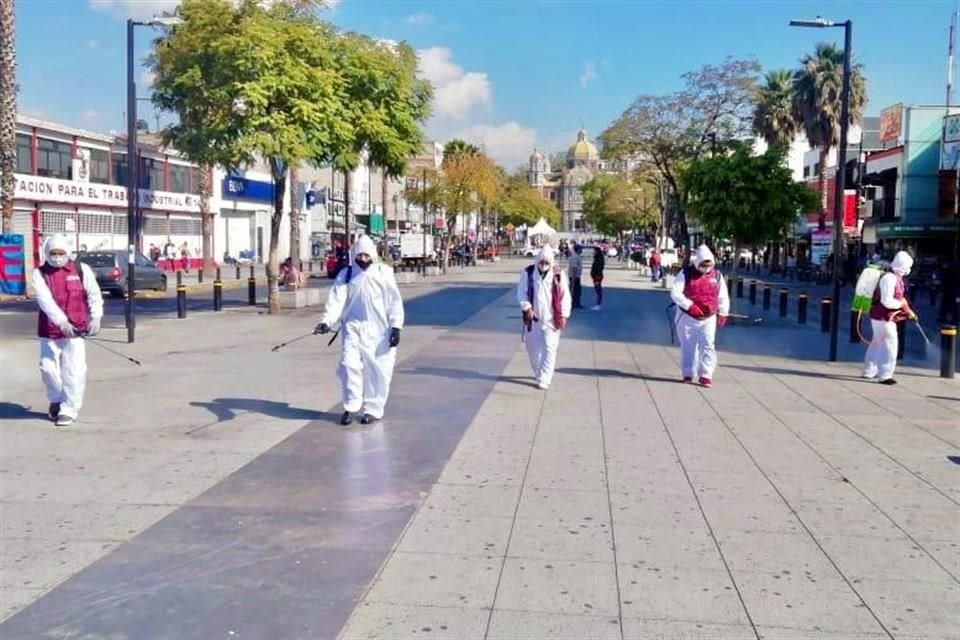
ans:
x=210 y=493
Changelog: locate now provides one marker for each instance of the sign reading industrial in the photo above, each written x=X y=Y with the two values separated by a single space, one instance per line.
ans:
x=42 y=189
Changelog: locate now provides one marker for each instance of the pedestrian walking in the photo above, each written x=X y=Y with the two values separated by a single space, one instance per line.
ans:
x=889 y=306
x=71 y=307
x=655 y=262
x=544 y=296
x=574 y=274
x=596 y=274
x=703 y=304
x=366 y=301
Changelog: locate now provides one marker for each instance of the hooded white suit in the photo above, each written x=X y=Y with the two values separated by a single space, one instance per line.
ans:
x=542 y=341
x=881 y=358
x=368 y=307
x=63 y=362
x=698 y=355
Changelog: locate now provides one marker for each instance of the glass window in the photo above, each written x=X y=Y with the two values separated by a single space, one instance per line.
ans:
x=179 y=178
x=99 y=166
x=24 y=164
x=120 y=169
x=151 y=174
x=54 y=159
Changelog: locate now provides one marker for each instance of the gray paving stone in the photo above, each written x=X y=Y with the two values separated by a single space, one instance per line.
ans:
x=466 y=500
x=679 y=594
x=510 y=625
x=586 y=540
x=775 y=554
x=881 y=558
x=667 y=547
x=563 y=505
x=430 y=579
x=376 y=620
x=558 y=586
x=474 y=535
x=913 y=608
x=645 y=628
x=659 y=511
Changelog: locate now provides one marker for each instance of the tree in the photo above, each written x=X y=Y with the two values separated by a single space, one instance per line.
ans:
x=249 y=80
x=668 y=132
x=8 y=112
x=817 y=91
x=613 y=205
x=458 y=148
x=773 y=116
x=746 y=199
x=557 y=161
x=387 y=106
x=294 y=215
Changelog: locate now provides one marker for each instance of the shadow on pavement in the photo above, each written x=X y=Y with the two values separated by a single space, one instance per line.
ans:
x=613 y=373
x=790 y=372
x=465 y=374
x=226 y=409
x=944 y=398
x=954 y=459
x=14 y=411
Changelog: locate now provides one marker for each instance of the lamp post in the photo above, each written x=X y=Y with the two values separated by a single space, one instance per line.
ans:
x=847 y=25
x=133 y=169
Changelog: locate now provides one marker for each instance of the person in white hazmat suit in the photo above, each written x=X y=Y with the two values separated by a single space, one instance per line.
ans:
x=71 y=307
x=544 y=296
x=888 y=307
x=366 y=301
x=703 y=303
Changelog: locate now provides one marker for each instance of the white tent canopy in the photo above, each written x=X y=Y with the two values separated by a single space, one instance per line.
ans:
x=541 y=229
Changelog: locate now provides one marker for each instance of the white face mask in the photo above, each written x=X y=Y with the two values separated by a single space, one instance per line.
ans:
x=58 y=261
x=705 y=269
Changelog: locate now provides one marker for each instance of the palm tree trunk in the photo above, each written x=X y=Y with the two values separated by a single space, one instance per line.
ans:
x=273 y=262
x=347 y=185
x=383 y=200
x=8 y=112
x=206 y=218
x=294 y=217
x=822 y=176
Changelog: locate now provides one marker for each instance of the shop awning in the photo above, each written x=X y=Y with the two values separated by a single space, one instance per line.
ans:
x=929 y=230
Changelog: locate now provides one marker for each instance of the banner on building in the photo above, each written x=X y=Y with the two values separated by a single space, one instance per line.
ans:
x=12 y=279
x=891 y=123
x=42 y=189
x=820 y=246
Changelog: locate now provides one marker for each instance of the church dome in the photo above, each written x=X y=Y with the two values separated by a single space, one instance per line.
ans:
x=582 y=149
x=536 y=155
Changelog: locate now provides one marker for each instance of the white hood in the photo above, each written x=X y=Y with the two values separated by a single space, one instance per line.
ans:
x=364 y=244
x=703 y=254
x=902 y=263
x=547 y=254
x=56 y=241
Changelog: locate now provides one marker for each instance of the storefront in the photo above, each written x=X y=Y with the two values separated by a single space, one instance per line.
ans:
x=242 y=230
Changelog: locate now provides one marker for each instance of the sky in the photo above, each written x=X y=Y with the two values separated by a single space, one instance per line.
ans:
x=512 y=75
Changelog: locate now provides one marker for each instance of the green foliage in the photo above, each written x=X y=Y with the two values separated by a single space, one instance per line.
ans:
x=773 y=116
x=613 y=204
x=818 y=86
x=749 y=199
x=523 y=204
x=458 y=148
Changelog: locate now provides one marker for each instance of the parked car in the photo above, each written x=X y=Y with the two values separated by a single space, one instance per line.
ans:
x=110 y=268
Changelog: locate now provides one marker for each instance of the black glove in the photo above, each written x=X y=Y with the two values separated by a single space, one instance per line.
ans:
x=394 y=337
x=321 y=329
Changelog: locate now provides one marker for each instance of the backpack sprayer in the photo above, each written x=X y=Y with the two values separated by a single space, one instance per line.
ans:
x=863 y=295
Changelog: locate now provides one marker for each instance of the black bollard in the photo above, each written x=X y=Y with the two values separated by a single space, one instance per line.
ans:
x=825 y=315
x=948 y=351
x=200 y=274
x=766 y=298
x=802 y=308
x=740 y=288
x=854 y=326
x=251 y=289
x=217 y=292
x=783 y=303
x=238 y=272
x=181 y=296
x=901 y=339
x=753 y=292
x=730 y=284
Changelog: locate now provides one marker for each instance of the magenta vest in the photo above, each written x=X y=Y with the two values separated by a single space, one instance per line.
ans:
x=703 y=289
x=880 y=312
x=66 y=286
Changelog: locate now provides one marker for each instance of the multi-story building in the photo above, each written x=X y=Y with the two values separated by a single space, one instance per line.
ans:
x=563 y=188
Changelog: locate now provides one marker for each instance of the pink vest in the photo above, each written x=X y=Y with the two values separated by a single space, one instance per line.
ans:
x=880 y=312
x=66 y=286
x=703 y=289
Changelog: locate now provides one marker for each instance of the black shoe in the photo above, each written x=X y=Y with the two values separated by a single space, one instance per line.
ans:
x=346 y=418
x=888 y=381
x=367 y=419
x=53 y=411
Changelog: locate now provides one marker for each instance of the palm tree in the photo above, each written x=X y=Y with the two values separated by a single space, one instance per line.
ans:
x=773 y=116
x=817 y=89
x=8 y=113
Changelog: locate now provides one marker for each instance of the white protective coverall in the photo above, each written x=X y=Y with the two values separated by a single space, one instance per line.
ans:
x=63 y=362
x=542 y=341
x=698 y=354
x=881 y=358
x=368 y=307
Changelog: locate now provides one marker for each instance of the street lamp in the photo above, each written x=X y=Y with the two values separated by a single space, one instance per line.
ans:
x=132 y=168
x=847 y=25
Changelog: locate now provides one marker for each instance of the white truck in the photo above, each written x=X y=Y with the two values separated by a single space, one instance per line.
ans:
x=412 y=245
